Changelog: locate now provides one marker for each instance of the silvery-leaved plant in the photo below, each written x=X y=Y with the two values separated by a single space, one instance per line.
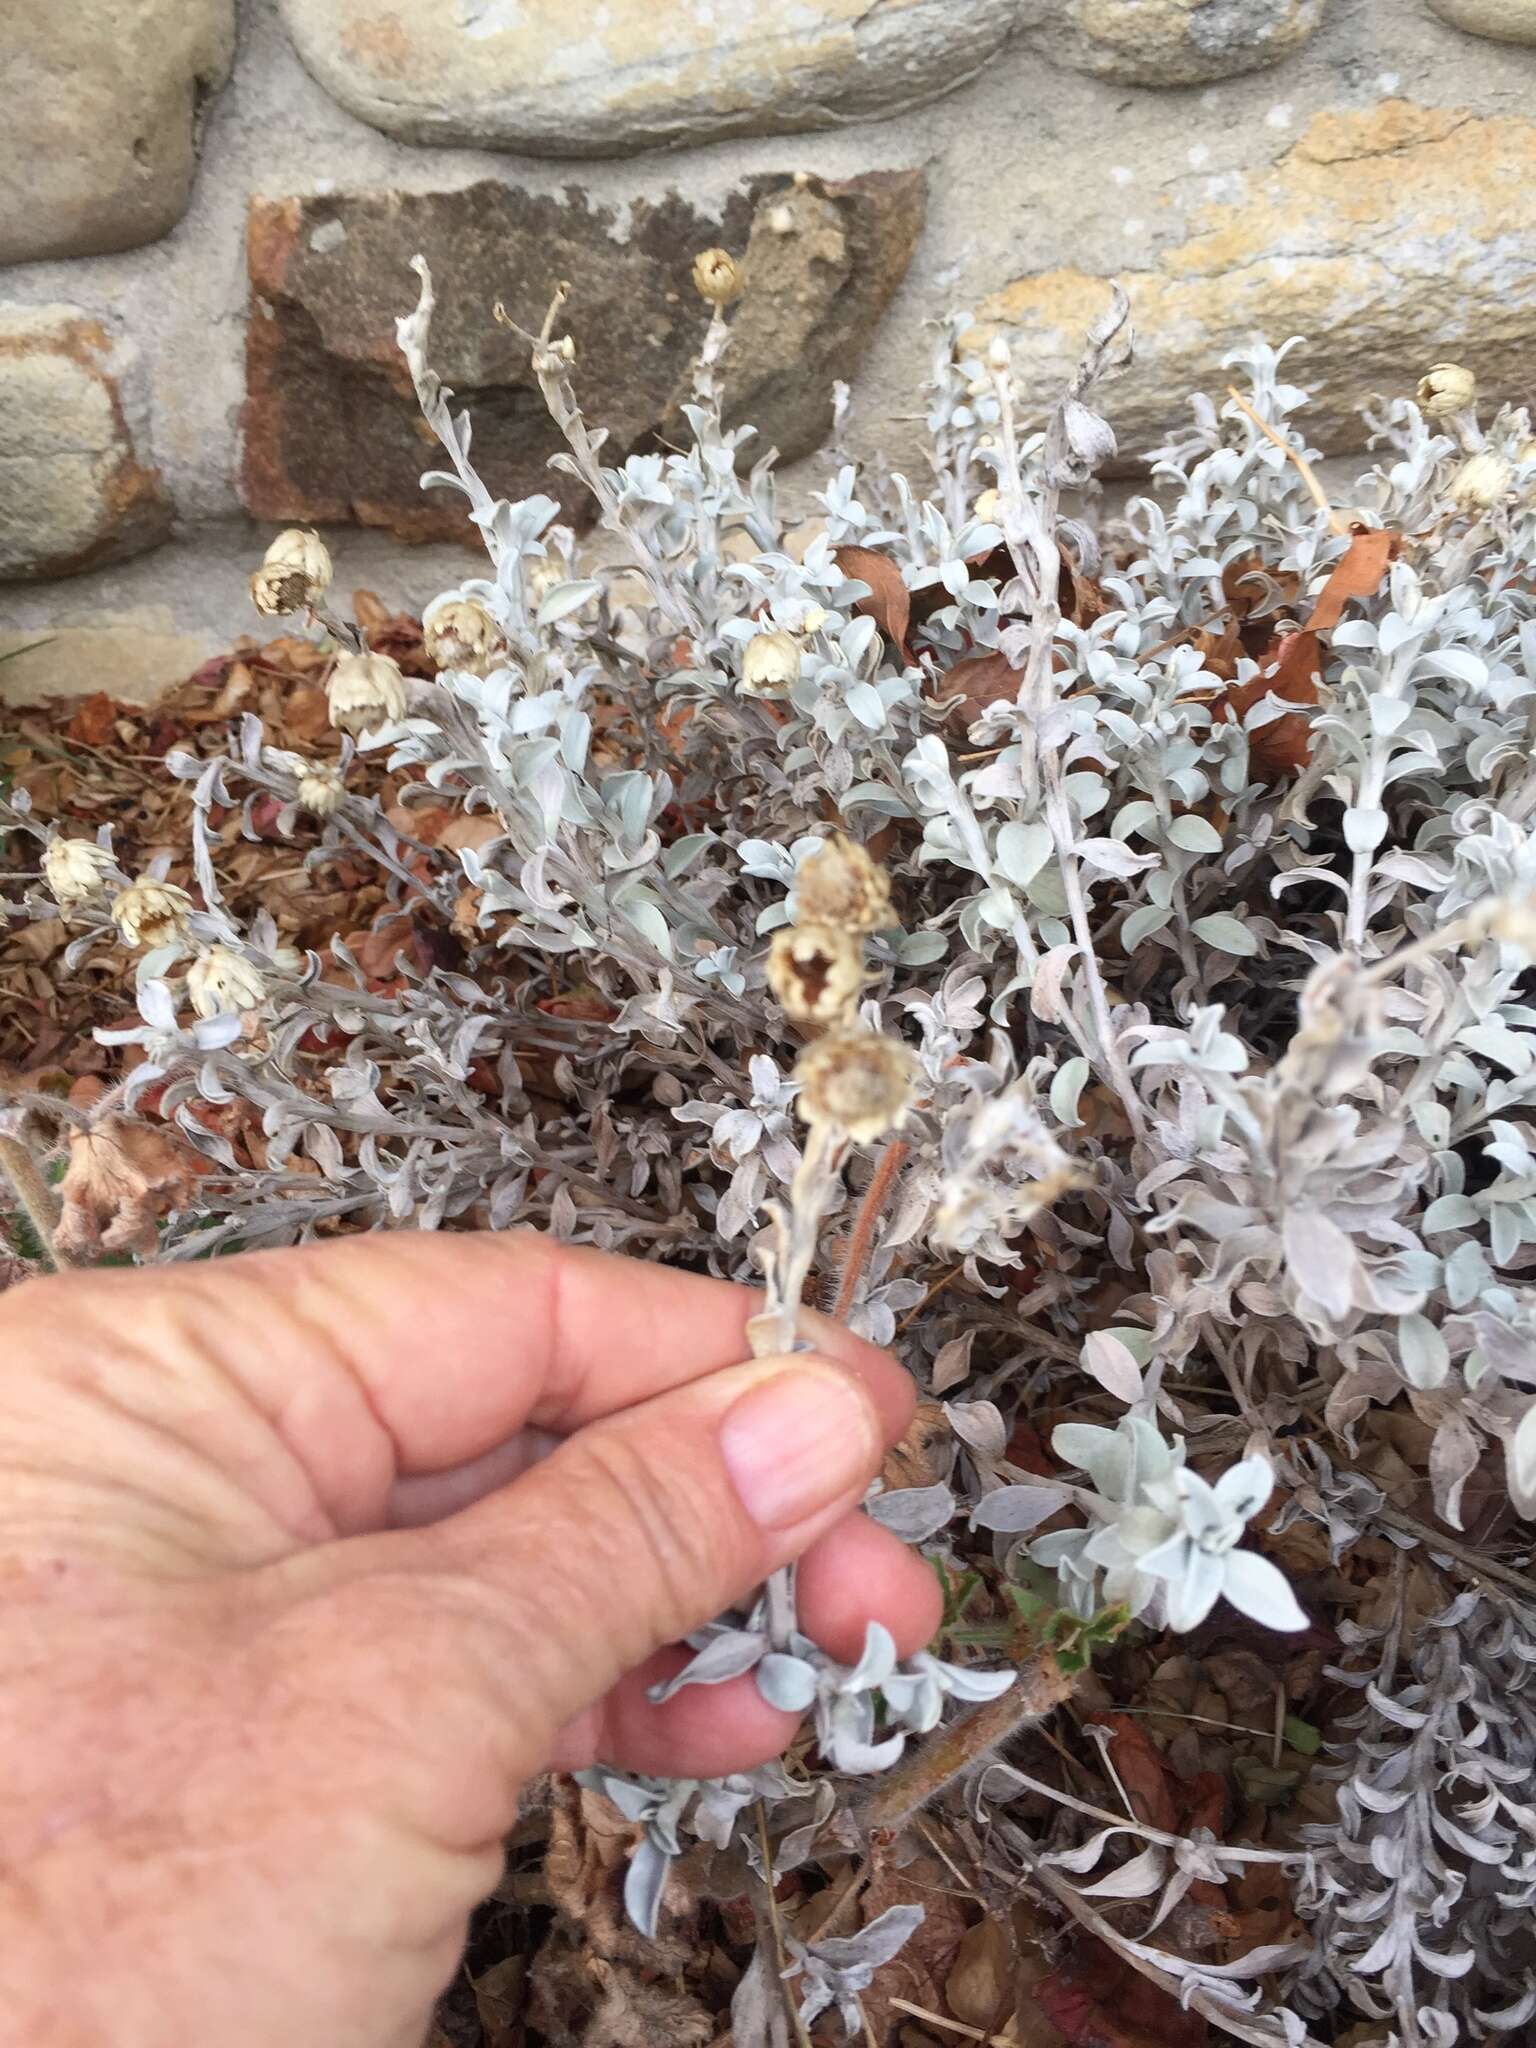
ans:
x=1178 y=1065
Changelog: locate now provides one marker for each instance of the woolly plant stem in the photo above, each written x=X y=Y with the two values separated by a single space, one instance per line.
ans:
x=775 y=1333
x=952 y=1752
x=1031 y=537
x=36 y=1198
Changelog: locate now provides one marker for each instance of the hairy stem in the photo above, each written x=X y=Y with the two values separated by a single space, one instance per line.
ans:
x=951 y=1752
x=36 y=1198
x=891 y=1162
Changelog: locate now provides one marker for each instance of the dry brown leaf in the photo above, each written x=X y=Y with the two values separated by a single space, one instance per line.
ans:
x=889 y=603
x=40 y=941
x=120 y=1180
x=1099 y=2001
x=915 y=1461
x=500 y=2000
x=1141 y=1771
x=92 y=724
x=979 y=1987
x=1357 y=573
x=979 y=681
x=925 y=1962
x=1290 y=670
x=1263 y=1908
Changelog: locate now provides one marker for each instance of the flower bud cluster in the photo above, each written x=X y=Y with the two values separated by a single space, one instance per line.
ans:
x=856 y=1080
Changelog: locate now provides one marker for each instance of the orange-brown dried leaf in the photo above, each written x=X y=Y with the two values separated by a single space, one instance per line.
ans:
x=889 y=603
x=1291 y=671
x=1263 y=1908
x=1079 y=596
x=92 y=724
x=1357 y=573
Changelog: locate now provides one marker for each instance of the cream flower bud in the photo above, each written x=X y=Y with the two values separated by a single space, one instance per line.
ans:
x=816 y=971
x=770 y=665
x=222 y=980
x=858 y=1082
x=365 y=691
x=75 y=869
x=295 y=572
x=813 y=618
x=150 y=913
x=321 y=789
x=1446 y=388
x=989 y=505
x=1482 y=480
x=460 y=633
x=999 y=354
x=839 y=884
x=717 y=276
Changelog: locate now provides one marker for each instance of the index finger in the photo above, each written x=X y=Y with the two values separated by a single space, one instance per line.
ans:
x=401 y=1353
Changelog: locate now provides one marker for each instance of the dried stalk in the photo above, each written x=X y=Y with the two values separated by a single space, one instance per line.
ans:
x=891 y=1162
x=1304 y=469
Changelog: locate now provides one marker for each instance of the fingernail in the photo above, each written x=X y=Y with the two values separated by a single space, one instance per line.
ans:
x=797 y=1442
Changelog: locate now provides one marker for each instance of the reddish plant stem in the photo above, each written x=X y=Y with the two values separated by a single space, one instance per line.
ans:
x=891 y=1162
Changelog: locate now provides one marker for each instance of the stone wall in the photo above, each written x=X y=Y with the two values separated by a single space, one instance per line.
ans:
x=207 y=210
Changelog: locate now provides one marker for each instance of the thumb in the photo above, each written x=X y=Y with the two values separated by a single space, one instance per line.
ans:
x=522 y=1611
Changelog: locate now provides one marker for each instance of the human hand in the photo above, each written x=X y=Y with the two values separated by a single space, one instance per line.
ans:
x=309 y=1559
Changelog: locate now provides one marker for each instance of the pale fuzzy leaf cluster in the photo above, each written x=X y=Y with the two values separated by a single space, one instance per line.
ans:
x=1260 y=1053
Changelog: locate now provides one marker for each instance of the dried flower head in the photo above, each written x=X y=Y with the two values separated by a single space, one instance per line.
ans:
x=223 y=980
x=460 y=633
x=120 y=1177
x=322 y=789
x=1482 y=480
x=295 y=572
x=816 y=971
x=150 y=913
x=840 y=884
x=75 y=869
x=1446 y=388
x=770 y=665
x=365 y=691
x=717 y=276
x=860 y=1082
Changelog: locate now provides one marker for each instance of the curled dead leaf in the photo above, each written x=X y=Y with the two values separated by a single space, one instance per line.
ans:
x=889 y=602
x=121 y=1178
x=921 y=1458
x=1291 y=671
x=978 y=681
x=979 y=1987
x=1141 y=1770
x=1357 y=573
